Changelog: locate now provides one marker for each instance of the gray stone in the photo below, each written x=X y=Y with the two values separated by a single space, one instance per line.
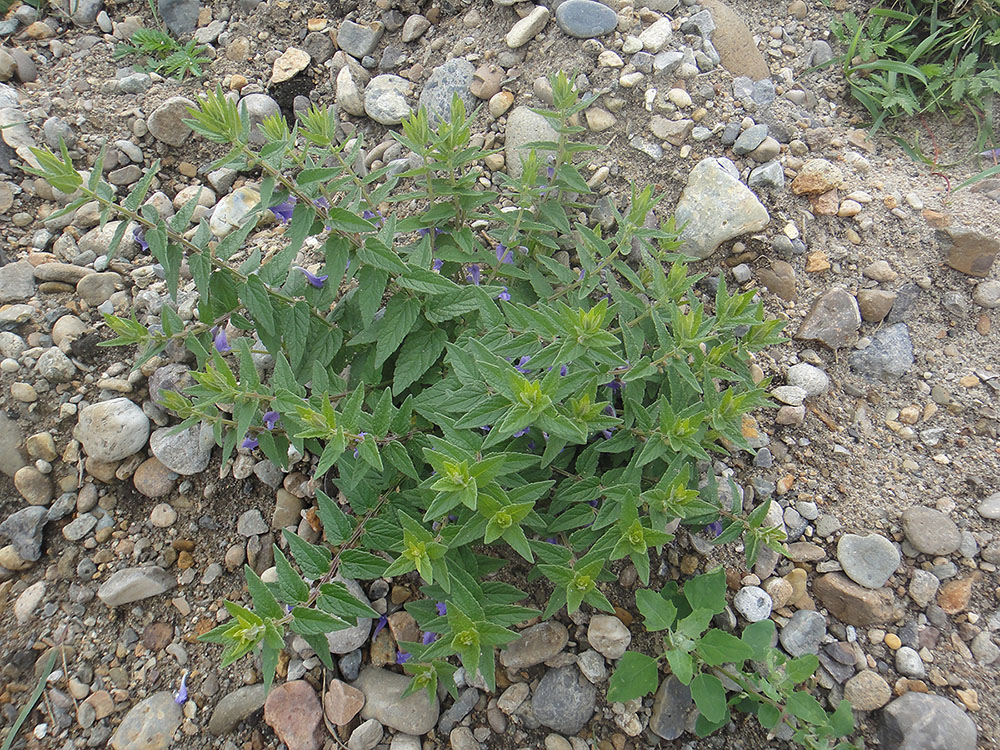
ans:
x=988 y=508
x=670 y=709
x=753 y=603
x=386 y=99
x=653 y=150
x=803 y=633
x=232 y=210
x=171 y=377
x=24 y=530
x=446 y=81
x=55 y=366
x=833 y=320
x=133 y=584
x=585 y=19
x=319 y=46
x=180 y=16
x=750 y=139
x=366 y=736
x=922 y=721
x=536 y=644
x=17 y=281
x=112 y=430
x=715 y=207
x=150 y=724
x=186 y=452
x=251 y=523
x=259 y=108
x=79 y=527
x=349 y=639
x=350 y=665
x=889 y=355
x=608 y=636
x=923 y=587
x=987 y=294
x=528 y=27
x=416 y=714
x=984 y=649
x=868 y=560
x=358 y=40
x=770 y=176
x=908 y=662
x=10 y=441
x=930 y=531
x=564 y=700
x=820 y=53
x=166 y=123
x=809 y=378
x=525 y=126
x=238 y=706
x=95 y=288
x=461 y=708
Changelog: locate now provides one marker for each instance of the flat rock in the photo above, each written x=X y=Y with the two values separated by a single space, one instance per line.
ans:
x=734 y=43
x=236 y=707
x=833 y=320
x=166 y=123
x=446 y=81
x=528 y=27
x=586 y=19
x=922 y=721
x=817 y=176
x=671 y=707
x=133 y=584
x=536 y=644
x=930 y=531
x=868 y=560
x=289 y=64
x=803 y=633
x=349 y=97
x=65 y=272
x=608 y=636
x=715 y=207
x=988 y=508
x=342 y=702
x=149 y=725
x=416 y=714
x=17 y=282
x=24 y=530
x=809 y=378
x=112 y=430
x=525 y=126
x=779 y=279
x=358 y=40
x=853 y=604
x=867 y=691
x=186 y=452
x=889 y=355
x=875 y=304
x=231 y=211
x=294 y=712
x=969 y=251
x=564 y=700
x=11 y=439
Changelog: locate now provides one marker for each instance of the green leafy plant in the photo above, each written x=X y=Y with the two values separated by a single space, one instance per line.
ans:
x=36 y=693
x=922 y=55
x=476 y=381
x=710 y=663
x=163 y=54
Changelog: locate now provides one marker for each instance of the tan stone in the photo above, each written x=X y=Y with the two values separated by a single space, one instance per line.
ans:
x=851 y=603
x=733 y=41
x=341 y=702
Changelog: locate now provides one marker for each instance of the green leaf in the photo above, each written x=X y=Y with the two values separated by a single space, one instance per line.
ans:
x=263 y=599
x=258 y=304
x=658 y=613
x=801 y=668
x=313 y=559
x=364 y=565
x=290 y=584
x=718 y=647
x=803 y=706
x=710 y=697
x=768 y=715
x=635 y=676
x=759 y=636
x=400 y=315
x=420 y=350
x=314 y=622
x=346 y=221
x=842 y=719
x=337 y=600
x=681 y=664
x=707 y=591
x=396 y=454
x=337 y=527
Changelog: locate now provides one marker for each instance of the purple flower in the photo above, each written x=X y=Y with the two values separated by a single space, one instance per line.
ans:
x=361 y=436
x=614 y=385
x=580 y=277
x=715 y=527
x=551 y=172
x=283 y=211
x=607 y=433
x=220 y=340
x=593 y=503
x=552 y=540
x=521 y=432
x=321 y=202
x=139 y=236
x=485 y=428
x=441 y=607
x=374 y=216
x=474 y=274
x=313 y=279
x=520 y=366
x=402 y=657
x=991 y=154
x=563 y=369
x=429 y=638
x=382 y=622
x=181 y=696
x=436 y=265
x=504 y=295
x=504 y=255
x=250 y=443
x=271 y=419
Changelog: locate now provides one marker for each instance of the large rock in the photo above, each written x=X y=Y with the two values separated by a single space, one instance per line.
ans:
x=564 y=700
x=537 y=644
x=889 y=355
x=930 y=531
x=230 y=212
x=17 y=281
x=149 y=725
x=235 y=707
x=186 y=452
x=133 y=584
x=670 y=709
x=585 y=19
x=386 y=99
x=358 y=40
x=112 y=430
x=454 y=77
x=715 y=207
x=416 y=714
x=922 y=721
x=869 y=560
x=166 y=123
x=180 y=16
x=294 y=712
x=525 y=126
x=969 y=251
x=833 y=320
x=853 y=604
x=734 y=42
x=24 y=530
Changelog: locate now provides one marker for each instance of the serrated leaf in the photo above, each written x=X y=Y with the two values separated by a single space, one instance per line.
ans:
x=636 y=675
x=718 y=647
x=337 y=527
x=263 y=599
x=802 y=705
x=657 y=612
x=419 y=351
x=293 y=589
x=313 y=559
x=364 y=565
x=314 y=622
x=710 y=697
